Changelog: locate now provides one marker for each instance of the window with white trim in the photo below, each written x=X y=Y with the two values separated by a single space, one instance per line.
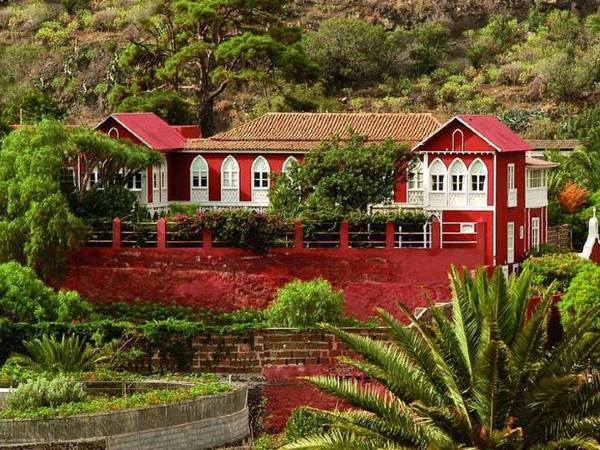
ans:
x=536 y=178
x=510 y=242
x=135 y=182
x=511 y=177
x=230 y=173
x=289 y=164
x=477 y=173
x=199 y=169
x=94 y=177
x=155 y=178
x=458 y=172
x=163 y=179
x=535 y=233
x=415 y=176
x=438 y=174
x=260 y=173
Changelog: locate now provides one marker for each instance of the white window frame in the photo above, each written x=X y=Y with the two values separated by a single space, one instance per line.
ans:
x=264 y=176
x=535 y=233
x=202 y=173
x=230 y=173
x=134 y=184
x=415 y=178
x=483 y=173
x=511 y=186
x=114 y=133
x=462 y=140
x=540 y=178
x=288 y=164
x=437 y=170
x=510 y=242
x=459 y=170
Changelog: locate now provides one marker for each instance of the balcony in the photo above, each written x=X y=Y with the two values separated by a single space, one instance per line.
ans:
x=415 y=197
x=536 y=197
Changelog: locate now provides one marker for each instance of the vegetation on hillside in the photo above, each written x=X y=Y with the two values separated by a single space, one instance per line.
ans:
x=185 y=60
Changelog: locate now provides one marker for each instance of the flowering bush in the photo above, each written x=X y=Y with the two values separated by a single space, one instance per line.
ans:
x=573 y=197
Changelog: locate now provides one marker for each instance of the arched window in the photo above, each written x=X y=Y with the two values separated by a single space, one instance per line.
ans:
x=230 y=180
x=199 y=173
x=415 y=176
x=437 y=172
x=458 y=175
x=478 y=175
x=260 y=173
x=113 y=133
x=288 y=164
x=458 y=140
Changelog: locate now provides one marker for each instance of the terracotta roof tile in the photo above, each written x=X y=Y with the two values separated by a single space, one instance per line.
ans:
x=536 y=162
x=304 y=131
x=553 y=144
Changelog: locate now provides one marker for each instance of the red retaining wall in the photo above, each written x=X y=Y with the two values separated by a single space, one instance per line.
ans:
x=229 y=279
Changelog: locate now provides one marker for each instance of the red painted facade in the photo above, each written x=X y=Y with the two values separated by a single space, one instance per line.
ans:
x=468 y=138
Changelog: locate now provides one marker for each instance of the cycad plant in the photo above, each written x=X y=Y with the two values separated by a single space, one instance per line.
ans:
x=69 y=354
x=483 y=376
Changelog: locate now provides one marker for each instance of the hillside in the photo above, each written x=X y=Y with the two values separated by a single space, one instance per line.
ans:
x=535 y=67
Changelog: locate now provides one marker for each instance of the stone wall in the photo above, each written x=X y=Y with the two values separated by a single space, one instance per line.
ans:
x=229 y=279
x=561 y=236
x=202 y=423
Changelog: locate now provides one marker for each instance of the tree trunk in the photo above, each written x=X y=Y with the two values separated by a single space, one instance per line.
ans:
x=207 y=118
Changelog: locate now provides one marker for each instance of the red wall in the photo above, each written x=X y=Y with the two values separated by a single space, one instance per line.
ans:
x=504 y=214
x=443 y=141
x=229 y=279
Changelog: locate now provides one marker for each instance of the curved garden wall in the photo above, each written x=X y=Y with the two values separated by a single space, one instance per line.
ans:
x=202 y=423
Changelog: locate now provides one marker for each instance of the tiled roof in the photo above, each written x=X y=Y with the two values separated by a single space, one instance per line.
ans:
x=150 y=129
x=495 y=132
x=542 y=163
x=554 y=144
x=304 y=131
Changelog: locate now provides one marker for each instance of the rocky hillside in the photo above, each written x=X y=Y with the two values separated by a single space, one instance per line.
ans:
x=62 y=58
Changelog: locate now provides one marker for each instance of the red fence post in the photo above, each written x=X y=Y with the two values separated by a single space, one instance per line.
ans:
x=161 y=233
x=344 y=234
x=116 y=233
x=298 y=234
x=207 y=238
x=436 y=234
x=482 y=238
x=390 y=228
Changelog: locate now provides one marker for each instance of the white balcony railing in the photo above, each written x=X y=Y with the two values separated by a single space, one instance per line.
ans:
x=536 y=197
x=415 y=197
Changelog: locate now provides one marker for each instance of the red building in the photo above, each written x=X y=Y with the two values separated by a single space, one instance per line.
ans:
x=472 y=171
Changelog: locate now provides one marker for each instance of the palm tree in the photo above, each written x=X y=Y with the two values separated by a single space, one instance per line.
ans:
x=70 y=354
x=484 y=377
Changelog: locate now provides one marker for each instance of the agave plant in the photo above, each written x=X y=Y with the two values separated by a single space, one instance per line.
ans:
x=483 y=376
x=69 y=354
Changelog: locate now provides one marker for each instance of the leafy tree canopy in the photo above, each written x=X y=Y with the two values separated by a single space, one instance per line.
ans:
x=201 y=47
x=340 y=177
x=37 y=226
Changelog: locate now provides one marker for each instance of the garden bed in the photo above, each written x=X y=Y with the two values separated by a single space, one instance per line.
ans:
x=176 y=415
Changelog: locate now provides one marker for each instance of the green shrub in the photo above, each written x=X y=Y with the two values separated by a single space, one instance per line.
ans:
x=304 y=304
x=582 y=295
x=304 y=422
x=42 y=392
x=558 y=268
x=25 y=298
x=69 y=354
x=109 y=202
x=154 y=397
